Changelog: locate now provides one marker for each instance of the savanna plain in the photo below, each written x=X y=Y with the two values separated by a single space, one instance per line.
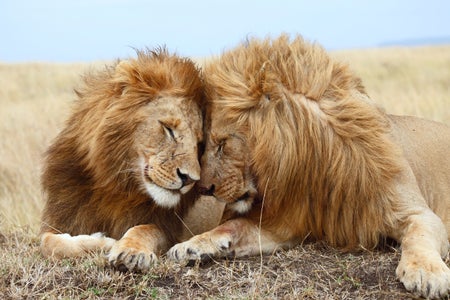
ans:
x=35 y=100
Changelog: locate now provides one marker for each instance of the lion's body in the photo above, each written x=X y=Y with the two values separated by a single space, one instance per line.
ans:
x=126 y=157
x=425 y=146
x=296 y=147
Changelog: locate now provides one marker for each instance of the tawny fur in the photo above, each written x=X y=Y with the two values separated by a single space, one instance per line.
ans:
x=89 y=178
x=298 y=150
x=300 y=111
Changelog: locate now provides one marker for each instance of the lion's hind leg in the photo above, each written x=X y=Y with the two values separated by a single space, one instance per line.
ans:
x=63 y=245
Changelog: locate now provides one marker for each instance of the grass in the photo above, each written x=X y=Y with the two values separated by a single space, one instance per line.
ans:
x=312 y=271
x=34 y=101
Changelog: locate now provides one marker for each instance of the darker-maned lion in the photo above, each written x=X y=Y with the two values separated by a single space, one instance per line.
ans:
x=297 y=150
x=126 y=162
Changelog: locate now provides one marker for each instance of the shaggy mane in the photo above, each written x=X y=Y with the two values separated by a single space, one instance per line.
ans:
x=88 y=166
x=317 y=141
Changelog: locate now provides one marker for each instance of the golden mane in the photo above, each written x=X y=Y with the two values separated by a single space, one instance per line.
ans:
x=88 y=164
x=315 y=139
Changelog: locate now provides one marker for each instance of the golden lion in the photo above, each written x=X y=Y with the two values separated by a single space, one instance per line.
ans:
x=297 y=150
x=126 y=162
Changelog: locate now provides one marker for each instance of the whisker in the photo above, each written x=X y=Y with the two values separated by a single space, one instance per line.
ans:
x=259 y=225
x=126 y=171
x=184 y=224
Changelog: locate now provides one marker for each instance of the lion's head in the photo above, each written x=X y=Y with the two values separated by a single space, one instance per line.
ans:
x=151 y=127
x=289 y=126
x=227 y=173
x=164 y=152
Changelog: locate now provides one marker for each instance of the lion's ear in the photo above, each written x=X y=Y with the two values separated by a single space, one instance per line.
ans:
x=122 y=76
x=269 y=82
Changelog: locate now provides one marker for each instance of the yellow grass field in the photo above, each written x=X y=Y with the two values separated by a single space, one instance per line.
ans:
x=35 y=99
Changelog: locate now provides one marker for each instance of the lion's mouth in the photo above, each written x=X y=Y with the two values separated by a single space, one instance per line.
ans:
x=183 y=190
x=149 y=179
x=244 y=197
x=162 y=196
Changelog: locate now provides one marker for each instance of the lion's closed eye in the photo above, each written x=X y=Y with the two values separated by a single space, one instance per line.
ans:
x=220 y=147
x=200 y=150
x=169 y=128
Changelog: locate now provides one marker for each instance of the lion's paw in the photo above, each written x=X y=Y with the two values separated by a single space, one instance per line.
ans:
x=429 y=278
x=131 y=259
x=199 y=249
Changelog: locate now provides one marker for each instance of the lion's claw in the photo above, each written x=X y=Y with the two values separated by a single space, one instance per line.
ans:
x=431 y=280
x=131 y=260
x=182 y=253
x=200 y=249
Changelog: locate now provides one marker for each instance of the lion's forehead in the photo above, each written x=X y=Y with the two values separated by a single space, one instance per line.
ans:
x=221 y=126
x=180 y=113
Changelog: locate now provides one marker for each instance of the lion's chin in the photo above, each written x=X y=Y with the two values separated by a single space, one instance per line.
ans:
x=161 y=196
x=241 y=206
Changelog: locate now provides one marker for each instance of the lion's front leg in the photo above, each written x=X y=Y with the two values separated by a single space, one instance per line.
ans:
x=238 y=237
x=424 y=244
x=138 y=248
x=60 y=245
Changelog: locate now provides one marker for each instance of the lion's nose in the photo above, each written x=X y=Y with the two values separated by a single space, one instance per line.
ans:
x=207 y=191
x=185 y=179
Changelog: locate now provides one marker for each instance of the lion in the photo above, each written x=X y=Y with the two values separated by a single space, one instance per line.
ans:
x=119 y=176
x=298 y=151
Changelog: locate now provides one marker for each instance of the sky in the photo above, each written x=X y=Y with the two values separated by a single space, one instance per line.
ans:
x=90 y=30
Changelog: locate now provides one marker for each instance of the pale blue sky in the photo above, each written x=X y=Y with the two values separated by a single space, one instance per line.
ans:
x=88 y=30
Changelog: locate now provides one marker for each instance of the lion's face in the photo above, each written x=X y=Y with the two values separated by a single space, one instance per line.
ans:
x=166 y=145
x=226 y=168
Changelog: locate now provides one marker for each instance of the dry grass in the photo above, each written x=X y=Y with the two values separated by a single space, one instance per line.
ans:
x=34 y=101
x=313 y=271
x=407 y=81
